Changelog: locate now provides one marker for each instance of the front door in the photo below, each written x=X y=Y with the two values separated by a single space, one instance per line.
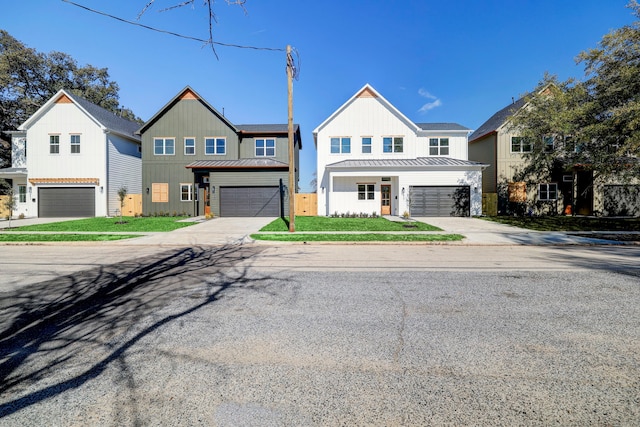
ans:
x=385 y=207
x=207 y=201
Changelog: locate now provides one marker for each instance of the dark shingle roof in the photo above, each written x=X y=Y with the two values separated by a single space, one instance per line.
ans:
x=107 y=118
x=404 y=163
x=497 y=119
x=441 y=126
x=242 y=163
x=265 y=128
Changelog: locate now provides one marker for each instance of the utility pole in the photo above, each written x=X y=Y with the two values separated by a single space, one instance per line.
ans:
x=292 y=163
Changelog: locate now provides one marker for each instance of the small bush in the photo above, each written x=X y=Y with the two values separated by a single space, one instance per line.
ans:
x=21 y=216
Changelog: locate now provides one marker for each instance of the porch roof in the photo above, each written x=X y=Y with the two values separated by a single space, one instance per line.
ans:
x=235 y=164
x=419 y=162
x=13 y=172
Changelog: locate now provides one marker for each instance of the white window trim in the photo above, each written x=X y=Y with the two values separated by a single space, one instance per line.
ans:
x=366 y=191
x=370 y=145
x=547 y=184
x=393 y=144
x=52 y=145
x=190 y=194
x=440 y=146
x=72 y=144
x=522 y=150
x=255 y=146
x=164 y=145
x=215 y=145
x=194 y=145
x=340 y=145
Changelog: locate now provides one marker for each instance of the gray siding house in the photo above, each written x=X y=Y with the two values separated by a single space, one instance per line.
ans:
x=196 y=162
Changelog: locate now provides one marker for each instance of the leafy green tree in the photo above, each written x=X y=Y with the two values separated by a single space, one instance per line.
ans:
x=9 y=202
x=29 y=78
x=593 y=124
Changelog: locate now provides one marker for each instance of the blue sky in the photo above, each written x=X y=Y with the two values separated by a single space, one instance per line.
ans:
x=436 y=61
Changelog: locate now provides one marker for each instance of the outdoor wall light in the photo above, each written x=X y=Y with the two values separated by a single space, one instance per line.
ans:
x=30 y=188
x=147 y=190
x=213 y=189
x=403 y=191
x=101 y=189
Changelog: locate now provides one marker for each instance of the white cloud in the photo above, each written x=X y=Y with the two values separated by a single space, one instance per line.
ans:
x=429 y=105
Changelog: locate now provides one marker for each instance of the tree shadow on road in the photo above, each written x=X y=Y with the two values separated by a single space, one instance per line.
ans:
x=47 y=326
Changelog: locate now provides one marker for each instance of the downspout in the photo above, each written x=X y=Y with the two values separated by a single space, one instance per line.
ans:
x=107 y=167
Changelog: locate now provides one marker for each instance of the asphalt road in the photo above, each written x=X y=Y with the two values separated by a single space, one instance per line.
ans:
x=320 y=335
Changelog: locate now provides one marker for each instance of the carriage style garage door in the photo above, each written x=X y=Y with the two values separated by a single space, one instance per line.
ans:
x=66 y=202
x=440 y=201
x=250 y=201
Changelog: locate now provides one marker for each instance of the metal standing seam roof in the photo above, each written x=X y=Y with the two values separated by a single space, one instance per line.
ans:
x=241 y=163
x=405 y=163
x=107 y=118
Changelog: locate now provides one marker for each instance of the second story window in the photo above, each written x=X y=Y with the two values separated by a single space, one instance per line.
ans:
x=520 y=145
x=217 y=146
x=392 y=145
x=341 y=145
x=438 y=146
x=54 y=144
x=366 y=145
x=548 y=144
x=265 y=147
x=189 y=146
x=75 y=144
x=164 y=146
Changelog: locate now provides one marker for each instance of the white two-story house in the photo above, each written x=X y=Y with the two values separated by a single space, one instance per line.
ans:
x=373 y=159
x=70 y=158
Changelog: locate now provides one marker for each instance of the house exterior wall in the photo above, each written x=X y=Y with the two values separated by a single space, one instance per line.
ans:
x=124 y=169
x=508 y=163
x=188 y=118
x=372 y=117
x=64 y=120
x=484 y=150
x=248 y=147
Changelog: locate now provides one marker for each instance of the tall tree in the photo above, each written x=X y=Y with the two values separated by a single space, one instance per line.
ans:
x=29 y=78
x=592 y=124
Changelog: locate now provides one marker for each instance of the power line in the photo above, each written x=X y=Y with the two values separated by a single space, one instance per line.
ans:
x=206 y=42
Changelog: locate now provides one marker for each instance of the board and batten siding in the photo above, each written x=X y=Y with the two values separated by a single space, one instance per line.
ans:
x=484 y=151
x=66 y=119
x=186 y=118
x=124 y=169
x=508 y=163
x=248 y=148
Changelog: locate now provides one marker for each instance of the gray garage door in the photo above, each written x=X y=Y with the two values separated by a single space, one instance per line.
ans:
x=66 y=202
x=440 y=201
x=250 y=201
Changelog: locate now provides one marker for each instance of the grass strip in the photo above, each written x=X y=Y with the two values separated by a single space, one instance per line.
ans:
x=569 y=223
x=21 y=237
x=321 y=223
x=364 y=237
x=106 y=225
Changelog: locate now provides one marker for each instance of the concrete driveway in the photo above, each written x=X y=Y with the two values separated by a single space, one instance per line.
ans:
x=483 y=232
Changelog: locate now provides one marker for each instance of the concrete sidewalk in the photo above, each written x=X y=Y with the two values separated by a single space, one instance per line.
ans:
x=224 y=230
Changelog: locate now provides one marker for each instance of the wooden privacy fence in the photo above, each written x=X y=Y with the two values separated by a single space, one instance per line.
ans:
x=306 y=204
x=4 y=212
x=132 y=205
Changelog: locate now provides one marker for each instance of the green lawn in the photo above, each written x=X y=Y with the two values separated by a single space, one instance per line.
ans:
x=569 y=223
x=321 y=223
x=18 y=237
x=106 y=225
x=363 y=237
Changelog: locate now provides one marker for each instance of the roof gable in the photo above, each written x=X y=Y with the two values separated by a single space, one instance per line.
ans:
x=497 y=120
x=367 y=91
x=103 y=118
x=185 y=94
